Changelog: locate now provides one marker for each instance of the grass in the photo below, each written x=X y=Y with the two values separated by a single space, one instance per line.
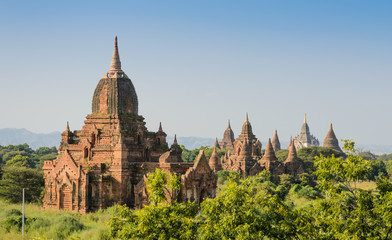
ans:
x=367 y=185
x=52 y=224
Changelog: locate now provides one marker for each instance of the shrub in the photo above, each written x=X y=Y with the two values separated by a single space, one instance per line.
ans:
x=66 y=225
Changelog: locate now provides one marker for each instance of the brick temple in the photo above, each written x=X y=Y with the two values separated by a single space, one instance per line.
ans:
x=106 y=162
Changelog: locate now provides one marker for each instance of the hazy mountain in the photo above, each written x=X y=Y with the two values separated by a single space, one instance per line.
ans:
x=35 y=140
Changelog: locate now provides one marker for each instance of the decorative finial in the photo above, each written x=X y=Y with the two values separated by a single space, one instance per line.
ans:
x=67 y=128
x=246 y=118
x=228 y=124
x=175 y=140
x=115 y=65
x=330 y=126
x=305 y=118
x=160 y=127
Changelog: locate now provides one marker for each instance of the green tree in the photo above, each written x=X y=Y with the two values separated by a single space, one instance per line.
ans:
x=160 y=184
x=282 y=155
x=241 y=211
x=16 y=178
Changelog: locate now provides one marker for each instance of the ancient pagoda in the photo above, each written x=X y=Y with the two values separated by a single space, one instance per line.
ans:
x=106 y=162
x=246 y=153
x=275 y=142
x=305 y=139
x=330 y=141
x=228 y=138
x=293 y=165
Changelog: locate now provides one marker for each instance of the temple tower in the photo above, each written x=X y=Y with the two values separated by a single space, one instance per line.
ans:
x=105 y=162
x=270 y=161
x=215 y=161
x=305 y=139
x=228 y=138
x=330 y=141
x=293 y=165
x=275 y=142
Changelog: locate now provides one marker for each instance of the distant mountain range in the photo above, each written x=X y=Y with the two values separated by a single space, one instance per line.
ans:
x=15 y=136
x=35 y=140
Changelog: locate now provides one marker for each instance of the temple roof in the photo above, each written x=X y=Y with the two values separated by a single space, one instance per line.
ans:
x=215 y=162
x=115 y=93
x=292 y=154
x=246 y=132
x=246 y=127
x=305 y=139
x=331 y=141
x=216 y=145
x=245 y=151
x=275 y=142
x=269 y=154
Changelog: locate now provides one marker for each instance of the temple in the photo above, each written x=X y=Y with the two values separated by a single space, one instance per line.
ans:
x=293 y=165
x=106 y=162
x=275 y=142
x=246 y=152
x=330 y=141
x=305 y=139
x=228 y=138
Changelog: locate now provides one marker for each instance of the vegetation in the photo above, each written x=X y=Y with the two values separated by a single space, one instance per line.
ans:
x=334 y=199
x=21 y=167
x=261 y=207
x=52 y=224
x=191 y=155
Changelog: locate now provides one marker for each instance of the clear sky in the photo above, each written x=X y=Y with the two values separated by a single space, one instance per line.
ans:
x=196 y=64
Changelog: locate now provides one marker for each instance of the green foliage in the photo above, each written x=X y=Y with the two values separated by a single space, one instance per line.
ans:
x=305 y=191
x=163 y=221
x=240 y=211
x=308 y=155
x=16 y=178
x=282 y=155
x=378 y=170
x=224 y=175
x=191 y=155
x=66 y=225
x=160 y=184
x=53 y=224
x=23 y=155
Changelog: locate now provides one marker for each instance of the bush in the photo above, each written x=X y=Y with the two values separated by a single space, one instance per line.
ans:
x=224 y=175
x=13 y=212
x=66 y=225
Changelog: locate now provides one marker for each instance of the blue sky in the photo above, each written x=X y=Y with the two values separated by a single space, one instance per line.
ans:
x=196 y=64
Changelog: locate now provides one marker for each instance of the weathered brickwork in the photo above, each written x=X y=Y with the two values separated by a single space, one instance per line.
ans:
x=106 y=162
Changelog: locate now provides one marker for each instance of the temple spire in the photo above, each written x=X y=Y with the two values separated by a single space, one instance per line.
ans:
x=275 y=142
x=228 y=125
x=305 y=118
x=115 y=65
x=246 y=118
x=67 y=128
x=216 y=145
x=160 y=127
x=175 y=140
